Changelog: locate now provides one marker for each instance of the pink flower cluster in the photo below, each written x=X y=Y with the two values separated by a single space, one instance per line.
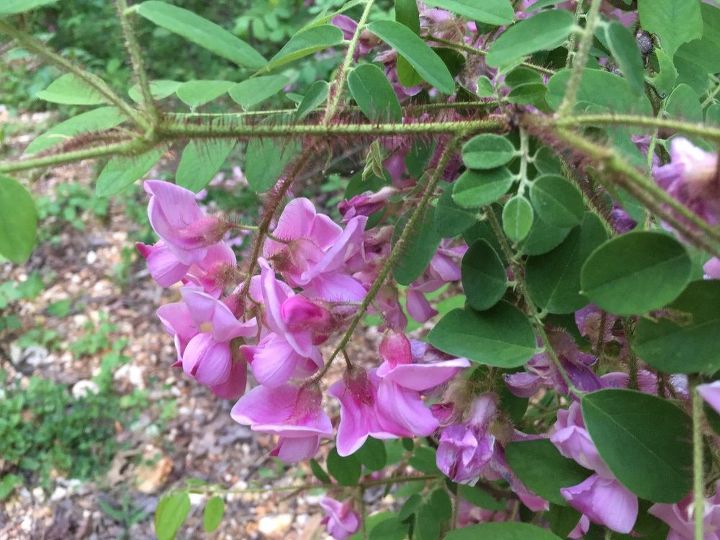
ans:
x=313 y=276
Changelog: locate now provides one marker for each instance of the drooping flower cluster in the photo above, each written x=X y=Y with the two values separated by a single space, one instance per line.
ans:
x=312 y=276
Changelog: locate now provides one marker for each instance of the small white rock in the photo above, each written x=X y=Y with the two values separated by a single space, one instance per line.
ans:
x=91 y=257
x=82 y=388
x=275 y=524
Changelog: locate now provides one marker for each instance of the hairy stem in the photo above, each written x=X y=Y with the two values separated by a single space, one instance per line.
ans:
x=138 y=66
x=580 y=59
x=532 y=310
x=336 y=91
x=397 y=250
x=36 y=46
x=698 y=482
x=688 y=128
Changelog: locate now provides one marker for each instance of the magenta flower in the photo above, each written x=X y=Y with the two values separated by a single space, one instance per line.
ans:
x=209 y=273
x=360 y=416
x=312 y=251
x=691 y=178
x=444 y=268
x=711 y=394
x=465 y=449
x=402 y=379
x=203 y=328
x=542 y=372
x=712 y=268
x=176 y=218
x=340 y=520
x=293 y=413
x=366 y=203
x=288 y=350
x=680 y=517
x=600 y=497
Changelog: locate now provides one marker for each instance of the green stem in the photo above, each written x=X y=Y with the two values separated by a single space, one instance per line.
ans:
x=397 y=250
x=580 y=60
x=136 y=60
x=174 y=130
x=128 y=147
x=336 y=91
x=688 y=128
x=38 y=47
x=698 y=483
x=532 y=310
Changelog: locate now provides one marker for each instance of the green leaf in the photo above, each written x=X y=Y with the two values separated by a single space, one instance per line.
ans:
x=544 y=31
x=674 y=21
x=483 y=276
x=698 y=58
x=8 y=484
x=389 y=529
x=553 y=279
x=540 y=466
x=213 y=514
x=684 y=104
x=479 y=188
x=306 y=43
x=253 y=91
x=170 y=514
x=407 y=13
x=543 y=238
x=450 y=219
x=423 y=458
x=200 y=162
x=18 y=220
x=420 y=56
x=319 y=472
x=479 y=497
x=95 y=120
x=517 y=218
x=563 y=519
x=644 y=440
x=484 y=87
x=501 y=336
x=374 y=94
x=684 y=339
x=346 y=470
x=487 y=151
x=501 y=531
x=664 y=81
x=121 y=171
x=69 y=90
x=202 y=32
x=194 y=94
x=495 y=12
x=159 y=89
x=265 y=160
x=557 y=201
x=313 y=98
x=624 y=49
x=419 y=249
x=372 y=454
x=636 y=272
x=12 y=7
x=432 y=516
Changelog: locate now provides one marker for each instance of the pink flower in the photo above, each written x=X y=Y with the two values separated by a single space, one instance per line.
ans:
x=176 y=218
x=465 y=449
x=366 y=203
x=691 y=178
x=293 y=413
x=340 y=520
x=313 y=251
x=600 y=497
x=604 y=501
x=711 y=394
x=402 y=380
x=360 y=416
x=209 y=273
x=288 y=350
x=680 y=517
x=712 y=268
x=203 y=328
